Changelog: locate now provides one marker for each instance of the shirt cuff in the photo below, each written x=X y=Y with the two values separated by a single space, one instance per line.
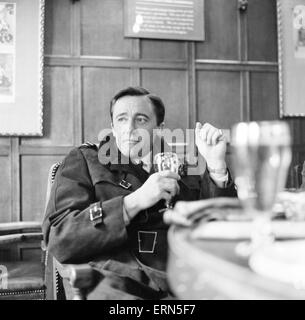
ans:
x=221 y=180
x=125 y=215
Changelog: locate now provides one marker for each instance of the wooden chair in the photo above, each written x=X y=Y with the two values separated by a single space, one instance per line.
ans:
x=303 y=177
x=43 y=279
x=19 y=279
x=65 y=281
x=299 y=176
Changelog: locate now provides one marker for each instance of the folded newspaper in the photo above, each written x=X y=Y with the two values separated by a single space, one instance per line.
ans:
x=230 y=223
x=240 y=230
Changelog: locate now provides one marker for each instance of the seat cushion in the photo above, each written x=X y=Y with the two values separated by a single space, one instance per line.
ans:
x=25 y=280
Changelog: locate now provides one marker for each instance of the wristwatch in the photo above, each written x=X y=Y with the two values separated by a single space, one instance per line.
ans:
x=218 y=171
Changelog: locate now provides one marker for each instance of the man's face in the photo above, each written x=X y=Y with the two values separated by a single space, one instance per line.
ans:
x=133 y=122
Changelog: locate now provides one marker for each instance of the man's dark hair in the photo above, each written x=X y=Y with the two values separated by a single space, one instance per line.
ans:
x=139 y=91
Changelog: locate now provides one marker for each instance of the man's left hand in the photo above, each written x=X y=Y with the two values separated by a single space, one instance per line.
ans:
x=211 y=144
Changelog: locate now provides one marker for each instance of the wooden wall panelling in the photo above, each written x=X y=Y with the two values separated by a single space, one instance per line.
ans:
x=5 y=189
x=244 y=114
x=221 y=31
x=298 y=130
x=102 y=32
x=4 y=141
x=58 y=27
x=136 y=54
x=78 y=134
x=264 y=96
x=301 y=156
x=31 y=252
x=191 y=84
x=35 y=169
x=15 y=179
x=171 y=86
x=163 y=50
x=297 y=127
x=218 y=97
x=99 y=86
x=5 y=149
x=262 y=30
x=58 y=109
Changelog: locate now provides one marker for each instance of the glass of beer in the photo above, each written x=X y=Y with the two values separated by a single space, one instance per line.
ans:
x=167 y=161
x=261 y=159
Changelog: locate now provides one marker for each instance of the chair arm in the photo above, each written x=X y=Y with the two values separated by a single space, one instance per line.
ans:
x=80 y=275
x=22 y=225
x=19 y=237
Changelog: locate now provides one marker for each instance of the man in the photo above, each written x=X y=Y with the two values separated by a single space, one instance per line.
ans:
x=106 y=205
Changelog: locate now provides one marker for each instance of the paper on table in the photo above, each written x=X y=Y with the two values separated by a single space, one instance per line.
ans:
x=242 y=230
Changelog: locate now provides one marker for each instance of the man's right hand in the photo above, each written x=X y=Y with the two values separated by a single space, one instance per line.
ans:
x=160 y=185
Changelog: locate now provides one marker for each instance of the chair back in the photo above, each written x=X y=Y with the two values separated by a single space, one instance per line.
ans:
x=54 y=286
x=51 y=178
x=65 y=281
x=303 y=177
x=298 y=176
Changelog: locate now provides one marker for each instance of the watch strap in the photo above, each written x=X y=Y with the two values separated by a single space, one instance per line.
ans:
x=218 y=171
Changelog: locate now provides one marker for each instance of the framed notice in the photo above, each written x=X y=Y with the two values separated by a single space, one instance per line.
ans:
x=291 y=40
x=21 y=67
x=164 y=19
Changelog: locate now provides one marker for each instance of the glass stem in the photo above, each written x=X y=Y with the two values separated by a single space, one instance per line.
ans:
x=261 y=232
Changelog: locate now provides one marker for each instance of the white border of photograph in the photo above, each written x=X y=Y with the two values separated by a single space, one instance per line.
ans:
x=291 y=66
x=22 y=113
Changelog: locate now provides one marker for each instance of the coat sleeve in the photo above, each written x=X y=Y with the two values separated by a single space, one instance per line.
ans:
x=209 y=189
x=68 y=231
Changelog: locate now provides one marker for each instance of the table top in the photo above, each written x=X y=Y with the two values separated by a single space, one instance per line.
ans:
x=210 y=269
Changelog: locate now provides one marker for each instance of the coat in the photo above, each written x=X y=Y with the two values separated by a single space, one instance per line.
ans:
x=84 y=223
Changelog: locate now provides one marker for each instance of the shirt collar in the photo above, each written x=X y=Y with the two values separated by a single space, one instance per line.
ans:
x=118 y=161
x=147 y=161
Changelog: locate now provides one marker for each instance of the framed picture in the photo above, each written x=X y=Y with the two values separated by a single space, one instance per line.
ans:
x=291 y=40
x=159 y=19
x=21 y=67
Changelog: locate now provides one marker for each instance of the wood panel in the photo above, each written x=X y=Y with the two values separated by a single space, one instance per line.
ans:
x=99 y=86
x=297 y=126
x=171 y=86
x=163 y=50
x=301 y=156
x=218 y=99
x=262 y=30
x=4 y=141
x=34 y=177
x=58 y=27
x=5 y=189
x=31 y=253
x=102 y=31
x=58 y=109
x=264 y=96
x=221 y=28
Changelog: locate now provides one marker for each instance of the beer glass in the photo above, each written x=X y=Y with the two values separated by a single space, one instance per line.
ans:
x=167 y=161
x=261 y=159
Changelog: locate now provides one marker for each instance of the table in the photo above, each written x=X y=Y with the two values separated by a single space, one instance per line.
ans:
x=210 y=269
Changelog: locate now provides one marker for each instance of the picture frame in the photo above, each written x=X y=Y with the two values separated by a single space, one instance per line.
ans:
x=171 y=20
x=21 y=67
x=291 y=57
